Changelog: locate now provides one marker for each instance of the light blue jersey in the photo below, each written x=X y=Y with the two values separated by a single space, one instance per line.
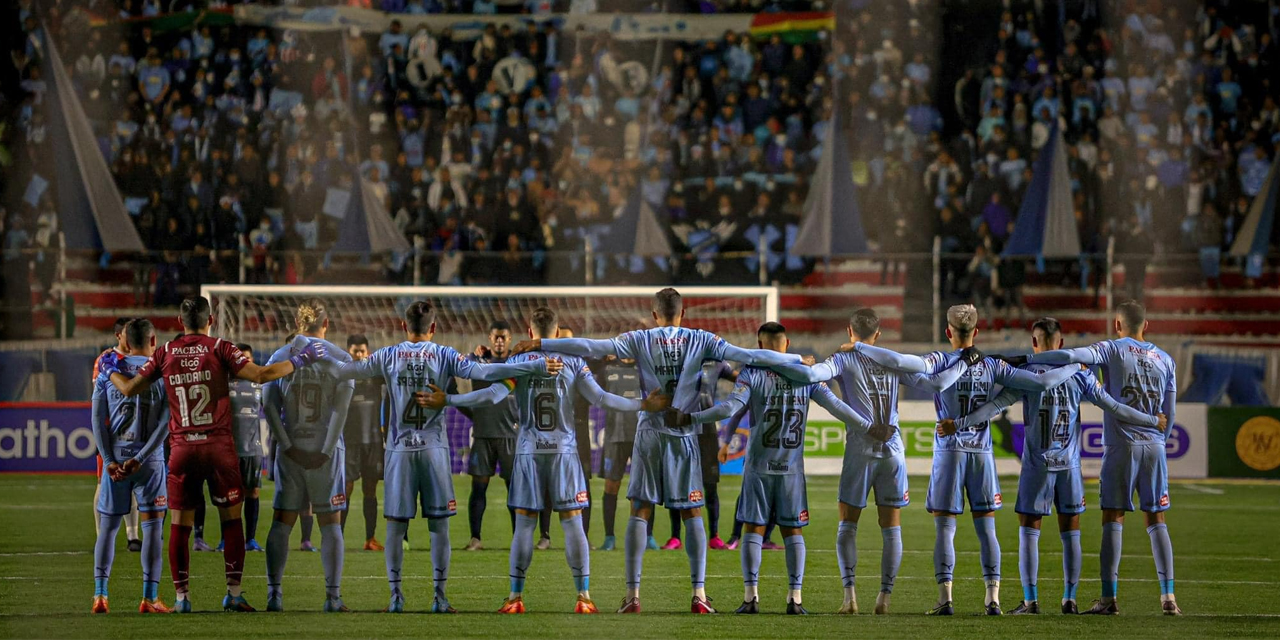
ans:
x=779 y=410
x=871 y=390
x=307 y=409
x=129 y=427
x=977 y=385
x=1139 y=374
x=546 y=405
x=410 y=367
x=669 y=360
x=1052 y=419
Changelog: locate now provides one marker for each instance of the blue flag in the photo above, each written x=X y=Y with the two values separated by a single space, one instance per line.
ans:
x=1046 y=224
x=832 y=223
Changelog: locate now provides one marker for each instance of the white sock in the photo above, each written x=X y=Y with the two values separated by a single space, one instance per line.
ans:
x=633 y=592
x=993 y=591
x=700 y=592
x=180 y=596
x=882 y=599
x=794 y=595
x=944 y=592
x=749 y=593
x=850 y=595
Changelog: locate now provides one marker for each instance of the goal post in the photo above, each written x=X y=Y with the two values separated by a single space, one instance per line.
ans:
x=263 y=314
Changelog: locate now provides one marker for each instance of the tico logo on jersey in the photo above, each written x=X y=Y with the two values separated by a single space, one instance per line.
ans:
x=453 y=505
x=160 y=501
x=338 y=500
x=1164 y=500
x=695 y=496
x=804 y=516
x=999 y=501
x=581 y=497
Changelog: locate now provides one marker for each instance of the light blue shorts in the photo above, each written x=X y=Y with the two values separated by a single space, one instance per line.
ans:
x=548 y=480
x=1040 y=491
x=666 y=470
x=780 y=498
x=1141 y=468
x=422 y=477
x=324 y=489
x=957 y=474
x=860 y=474
x=147 y=486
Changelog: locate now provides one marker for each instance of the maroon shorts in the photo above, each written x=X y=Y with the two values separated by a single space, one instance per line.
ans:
x=192 y=465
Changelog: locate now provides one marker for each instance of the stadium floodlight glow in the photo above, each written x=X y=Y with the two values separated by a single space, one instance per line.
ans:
x=264 y=313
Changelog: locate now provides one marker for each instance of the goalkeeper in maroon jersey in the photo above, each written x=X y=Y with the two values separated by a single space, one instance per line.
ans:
x=196 y=369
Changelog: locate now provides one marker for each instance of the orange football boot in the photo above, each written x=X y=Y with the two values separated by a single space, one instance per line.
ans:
x=512 y=606
x=153 y=606
x=585 y=605
x=99 y=604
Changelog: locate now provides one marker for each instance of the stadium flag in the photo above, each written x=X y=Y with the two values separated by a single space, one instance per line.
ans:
x=637 y=232
x=92 y=212
x=1046 y=224
x=367 y=226
x=1255 y=231
x=832 y=222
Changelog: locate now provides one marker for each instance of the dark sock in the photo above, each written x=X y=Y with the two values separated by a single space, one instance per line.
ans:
x=198 y=526
x=512 y=512
x=768 y=532
x=649 y=524
x=179 y=556
x=475 y=506
x=233 y=550
x=370 y=510
x=713 y=511
x=586 y=513
x=610 y=512
x=342 y=519
x=308 y=521
x=251 y=518
x=675 y=522
x=544 y=523
x=737 y=524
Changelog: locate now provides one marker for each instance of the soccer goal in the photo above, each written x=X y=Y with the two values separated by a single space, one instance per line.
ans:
x=263 y=314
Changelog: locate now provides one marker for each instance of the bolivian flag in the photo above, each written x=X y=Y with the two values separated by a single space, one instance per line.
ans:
x=793 y=27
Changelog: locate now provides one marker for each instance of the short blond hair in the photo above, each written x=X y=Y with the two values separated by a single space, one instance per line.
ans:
x=963 y=319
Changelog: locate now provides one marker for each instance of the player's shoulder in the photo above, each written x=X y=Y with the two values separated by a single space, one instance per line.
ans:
x=334 y=350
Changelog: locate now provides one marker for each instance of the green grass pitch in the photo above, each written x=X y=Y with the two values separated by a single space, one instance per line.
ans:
x=1223 y=534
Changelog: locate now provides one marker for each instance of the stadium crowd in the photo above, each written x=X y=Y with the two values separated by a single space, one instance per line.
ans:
x=226 y=138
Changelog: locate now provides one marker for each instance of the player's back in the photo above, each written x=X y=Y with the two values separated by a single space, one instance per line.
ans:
x=407 y=368
x=363 y=413
x=547 y=406
x=779 y=410
x=975 y=387
x=309 y=395
x=196 y=370
x=492 y=421
x=669 y=360
x=246 y=410
x=622 y=380
x=872 y=392
x=132 y=420
x=1140 y=375
x=1051 y=438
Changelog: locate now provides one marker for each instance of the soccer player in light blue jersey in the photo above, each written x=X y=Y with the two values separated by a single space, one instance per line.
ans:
x=963 y=464
x=307 y=411
x=665 y=464
x=547 y=472
x=773 y=482
x=417 y=457
x=129 y=432
x=1050 y=477
x=873 y=456
x=1144 y=377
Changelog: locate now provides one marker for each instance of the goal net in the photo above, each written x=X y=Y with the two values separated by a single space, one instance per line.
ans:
x=263 y=314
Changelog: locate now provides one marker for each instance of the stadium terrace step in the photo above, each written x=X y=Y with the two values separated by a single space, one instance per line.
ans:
x=90 y=294
x=1160 y=300
x=847 y=272
x=1215 y=324
x=846 y=298
x=102 y=320
x=1169 y=276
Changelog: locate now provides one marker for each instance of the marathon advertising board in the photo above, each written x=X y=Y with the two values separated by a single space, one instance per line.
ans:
x=46 y=437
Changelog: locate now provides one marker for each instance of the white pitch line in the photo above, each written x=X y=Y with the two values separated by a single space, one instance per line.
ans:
x=1204 y=489
x=680 y=576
